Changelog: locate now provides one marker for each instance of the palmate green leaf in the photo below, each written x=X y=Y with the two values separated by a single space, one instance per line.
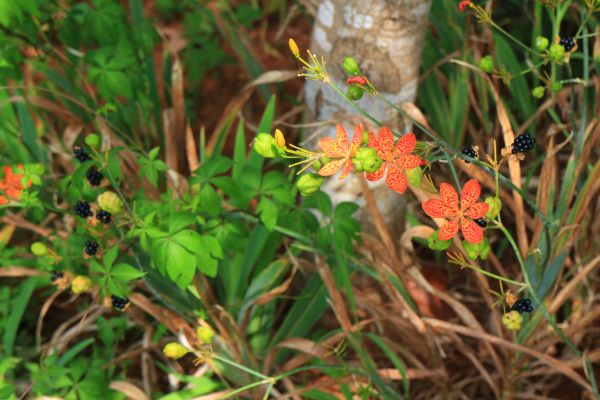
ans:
x=174 y=260
x=110 y=257
x=208 y=255
x=125 y=272
x=268 y=213
x=210 y=202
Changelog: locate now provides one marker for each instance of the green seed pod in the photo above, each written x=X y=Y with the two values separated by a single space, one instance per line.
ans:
x=538 y=92
x=325 y=160
x=350 y=66
x=317 y=165
x=477 y=250
x=556 y=87
x=266 y=145
x=415 y=176
x=174 y=350
x=541 y=43
x=487 y=64
x=309 y=184
x=81 y=284
x=111 y=202
x=495 y=207
x=556 y=52
x=39 y=249
x=354 y=93
x=205 y=334
x=435 y=243
x=366 y=159
x=512 y=320
x=93 y=140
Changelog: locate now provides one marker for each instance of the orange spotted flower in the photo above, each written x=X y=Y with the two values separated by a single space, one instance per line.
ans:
x=463 y=216
x=10 y=185
x=395 y=159
x=340 y=149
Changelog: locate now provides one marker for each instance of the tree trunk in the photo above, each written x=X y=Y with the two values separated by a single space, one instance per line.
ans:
x=386 y=39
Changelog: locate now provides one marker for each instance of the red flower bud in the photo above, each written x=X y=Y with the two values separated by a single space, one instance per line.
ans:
x=359 y=80
x=463 y=4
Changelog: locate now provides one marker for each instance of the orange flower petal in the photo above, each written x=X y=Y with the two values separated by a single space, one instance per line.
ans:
x=406 y=144
x=341 y=136
x=448 y=230
x=477 y=210
x=471 y=231
x=331 y=168
x=396 y=180
x=356 y=141
x=407 y=161
x=449 y=196
x=469 y=194
x=436 y=208
x=373 y=143
x=375 y=176
x=348 y=167
x=331 y=147
x=386 y=140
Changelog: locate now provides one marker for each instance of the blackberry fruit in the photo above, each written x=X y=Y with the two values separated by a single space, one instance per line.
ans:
x=470 y=152
x=522 y=305
x=104 y=216
x=83 y=209
x=567 y=43
x=54 y=275
x=80 y=154
x=523 y=143
x=481 y=222
x=119 y=303
x=94 y=176
x=91 y=248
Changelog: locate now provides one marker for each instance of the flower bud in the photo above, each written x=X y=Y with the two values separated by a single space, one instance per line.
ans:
x=538 y=92
x=512 y=320
x=111 y=202
x=354 y=93
x=495 y=207
x=350 y=66
x=294 y=48
x=279 y=138
x=266 y=145
x=541 y=43
x=205 y=334
x=93 y=140
x=81 y=284
x=556 y=52
x=366 y=159
x=415 y=176
x=39 y=249
x=309 y=184
x=435 y=243
x=365 y=137
x=487 y=64
x=174 y=350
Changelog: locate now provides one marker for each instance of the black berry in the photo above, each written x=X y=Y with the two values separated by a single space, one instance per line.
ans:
x=523 y=143
x=481 y=222
x=91 y=248
x=83 y=209
x=54 y=275
x=522 y=305
x=470 y=152
x=80 y=154
x=104 y=216
x=94 y=176
x=119 y=303
x=567 y=43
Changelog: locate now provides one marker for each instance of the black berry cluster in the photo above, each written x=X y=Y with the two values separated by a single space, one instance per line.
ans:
x=523 y=143
x=80 y=154
x=103 y=216
x=470 y=152
x=83 y=209
x=481 y=222
x=94 y=176
x=522 y=305
x=54 y=275
x=119 y=303
x=91 y=248
x=567 y=43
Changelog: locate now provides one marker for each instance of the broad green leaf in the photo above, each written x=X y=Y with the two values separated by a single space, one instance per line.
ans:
x=210 y=201
x=125 y=272
x=268 y=213
x=110 y=257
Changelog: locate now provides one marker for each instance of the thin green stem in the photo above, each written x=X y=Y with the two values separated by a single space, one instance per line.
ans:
x=492 y=275
x=241 y=367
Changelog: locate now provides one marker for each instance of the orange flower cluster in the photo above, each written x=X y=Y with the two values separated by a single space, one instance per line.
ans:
x=10 y=186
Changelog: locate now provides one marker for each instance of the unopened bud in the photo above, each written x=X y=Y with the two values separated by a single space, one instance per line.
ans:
x=205 y=334
x=39 y=249
x=111 y=202
x=294 y=48
x=350 y=66
x=175 y=350
x=309 y=184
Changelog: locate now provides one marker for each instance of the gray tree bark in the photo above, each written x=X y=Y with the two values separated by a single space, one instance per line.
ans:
x=386 y=38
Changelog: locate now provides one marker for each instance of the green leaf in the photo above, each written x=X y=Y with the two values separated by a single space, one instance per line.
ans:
x=268 y=213
x=208 y=255
x=174 y=260
x=210 y=201
x=110 y=257
x=125 y=272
